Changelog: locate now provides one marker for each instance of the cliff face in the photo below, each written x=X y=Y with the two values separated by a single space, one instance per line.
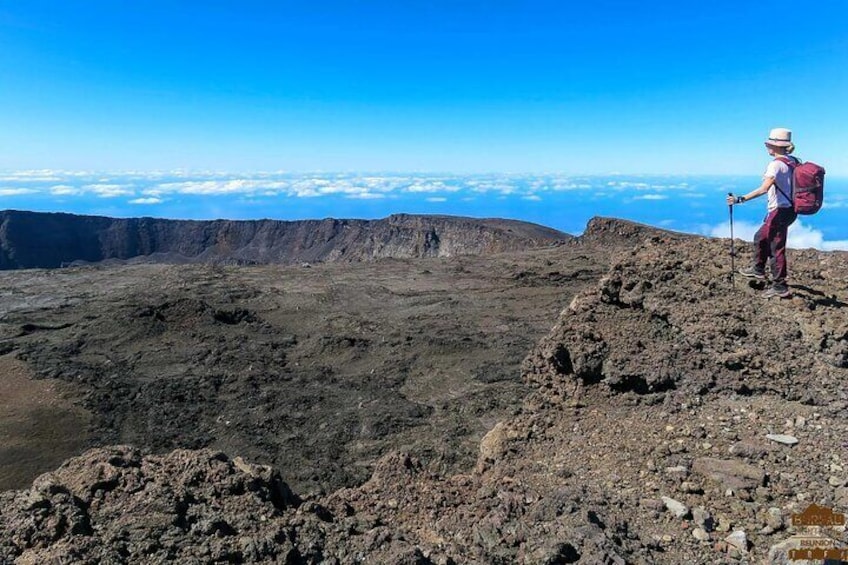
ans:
x=38 y=240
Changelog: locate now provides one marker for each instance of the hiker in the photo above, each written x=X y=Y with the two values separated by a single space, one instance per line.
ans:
x=770 y=239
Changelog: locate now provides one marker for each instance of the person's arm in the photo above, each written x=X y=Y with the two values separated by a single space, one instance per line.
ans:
x=763 y=188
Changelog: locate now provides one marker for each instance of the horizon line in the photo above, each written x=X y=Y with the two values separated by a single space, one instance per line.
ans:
x=186 y=171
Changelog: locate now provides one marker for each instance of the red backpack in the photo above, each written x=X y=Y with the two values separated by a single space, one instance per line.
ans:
x=807 y=186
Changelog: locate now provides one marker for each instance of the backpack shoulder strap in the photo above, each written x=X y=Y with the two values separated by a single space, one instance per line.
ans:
x=790 y=162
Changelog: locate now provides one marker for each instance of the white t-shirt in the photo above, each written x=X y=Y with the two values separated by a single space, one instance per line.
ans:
x=782 y=175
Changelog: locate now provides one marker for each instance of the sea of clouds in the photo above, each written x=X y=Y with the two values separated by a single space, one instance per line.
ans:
x=693 y=204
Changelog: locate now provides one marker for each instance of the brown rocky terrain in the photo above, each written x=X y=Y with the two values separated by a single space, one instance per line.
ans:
x=38 y=240
x=665 y=416
x=318 y=369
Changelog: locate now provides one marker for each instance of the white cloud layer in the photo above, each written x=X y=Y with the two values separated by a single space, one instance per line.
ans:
x=64 y=190
x=158 y=183
x=209 y=187
x=800 y=236
x=16 y=191
x=366 y=195
x=105 y=190
x=146 y=201
x=30 y=176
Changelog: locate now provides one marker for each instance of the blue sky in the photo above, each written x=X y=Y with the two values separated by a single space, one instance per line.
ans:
x=544 y=91
x=439 y=86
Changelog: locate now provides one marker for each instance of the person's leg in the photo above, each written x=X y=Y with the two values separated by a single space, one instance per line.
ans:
x=777 y=238
x=762 y=250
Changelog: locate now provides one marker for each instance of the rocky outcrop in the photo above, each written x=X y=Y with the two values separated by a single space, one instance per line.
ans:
x=616 y=232
x=667 y=316
x=38 y=240
x=113 y=505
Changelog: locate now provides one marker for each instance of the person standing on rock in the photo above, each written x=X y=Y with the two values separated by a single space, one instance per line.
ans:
x=770 y=239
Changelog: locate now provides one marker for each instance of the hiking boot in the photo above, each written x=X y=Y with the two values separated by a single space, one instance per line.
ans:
x=753 y=272
x=777 y=291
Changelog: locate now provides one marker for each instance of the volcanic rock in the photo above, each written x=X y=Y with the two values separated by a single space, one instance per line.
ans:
x=782 y=438
x=730 y=474
x=31 y=240
x=738 y=540
x=661 y=364
x=675 y=507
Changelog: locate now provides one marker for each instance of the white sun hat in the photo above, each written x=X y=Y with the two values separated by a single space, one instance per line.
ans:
x=780 y=137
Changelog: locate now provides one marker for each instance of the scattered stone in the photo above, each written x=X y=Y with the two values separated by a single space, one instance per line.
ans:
x=723 y=524
x=779 y=553
x=679 y=470
x=690 y=488
x=729 y=474
x=774 y=518
x=782 y=438
x=842 y=497
x=700 y=534
x=748 y=450
x=738 y=540
x=554 y=552
x=652 y=504
x=835 y=481
x=675 y=507
x=702 y=519
x=492 y=446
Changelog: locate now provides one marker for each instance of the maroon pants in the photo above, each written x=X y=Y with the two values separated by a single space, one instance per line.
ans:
x=770 y=242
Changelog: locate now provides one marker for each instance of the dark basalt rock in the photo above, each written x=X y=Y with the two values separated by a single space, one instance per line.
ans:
x=39 y=240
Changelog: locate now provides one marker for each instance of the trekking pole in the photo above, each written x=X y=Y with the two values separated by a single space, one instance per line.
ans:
x=732 y=247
